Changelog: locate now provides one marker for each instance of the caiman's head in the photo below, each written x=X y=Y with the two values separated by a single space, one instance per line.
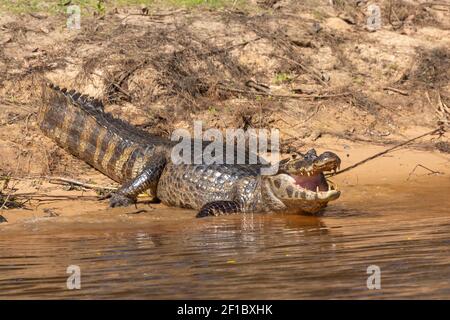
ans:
x=300 y=184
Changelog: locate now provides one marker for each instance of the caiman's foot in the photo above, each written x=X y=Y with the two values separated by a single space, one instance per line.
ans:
x=120 y=200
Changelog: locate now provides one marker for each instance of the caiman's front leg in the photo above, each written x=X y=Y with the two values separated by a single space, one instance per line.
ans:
x=147 y=179
x=218 y=208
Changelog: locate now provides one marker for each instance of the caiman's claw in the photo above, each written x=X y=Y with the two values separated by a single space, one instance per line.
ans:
x=105 y=196
x=119 y=200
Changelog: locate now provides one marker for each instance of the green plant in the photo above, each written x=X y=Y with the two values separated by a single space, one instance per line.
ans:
x=282 y=77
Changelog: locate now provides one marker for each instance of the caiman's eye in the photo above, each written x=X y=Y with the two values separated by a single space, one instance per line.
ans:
x=311 y=154
x=296 y=155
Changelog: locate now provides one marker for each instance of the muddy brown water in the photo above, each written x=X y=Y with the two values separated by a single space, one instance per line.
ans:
x=404 y=230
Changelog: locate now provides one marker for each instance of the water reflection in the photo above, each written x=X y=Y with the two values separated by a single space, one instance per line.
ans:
x=249 y=256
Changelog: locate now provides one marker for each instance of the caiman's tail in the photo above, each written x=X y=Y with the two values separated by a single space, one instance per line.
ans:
x=79 y=124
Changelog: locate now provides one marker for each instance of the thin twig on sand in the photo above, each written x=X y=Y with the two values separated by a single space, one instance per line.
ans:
x=402 y=92
x=439 y=130
x=422 y=166
x=431 y=4
x=316 y=74
x=290 y=96
x=231 y=47
x=152 y=15
x=137 y=211
x=66 y=181
x=10 y=199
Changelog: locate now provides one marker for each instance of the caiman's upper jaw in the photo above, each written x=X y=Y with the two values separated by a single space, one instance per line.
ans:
x=308 y=172
x=327 y=161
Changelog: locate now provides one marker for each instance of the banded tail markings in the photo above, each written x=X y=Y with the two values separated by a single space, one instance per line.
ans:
x=114 y=147
x=86 y=149
x=121 y=159
x=88 y=141
x=99 y=151
x=113 y=153
x=53 y=122
x=77 y=127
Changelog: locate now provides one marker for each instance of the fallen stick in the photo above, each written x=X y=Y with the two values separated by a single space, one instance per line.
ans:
x=65 y=181
x=137 y=211
x=422 y=166
x=439 y=130
x=402 y=92
x=47 y=197
x=61 y=181
x=312 y=72
x=127 y=73
x=220 y=50
x=7 y=201
x=430 y=4
x=154 y=15
x=4 y=204
x=114 y=84
x=291 y=96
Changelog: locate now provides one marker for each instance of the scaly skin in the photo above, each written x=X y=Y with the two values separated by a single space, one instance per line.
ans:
x=141 y=162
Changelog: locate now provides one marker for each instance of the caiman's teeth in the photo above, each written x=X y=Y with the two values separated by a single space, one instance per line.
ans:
x=332 y=185
x=317 y=189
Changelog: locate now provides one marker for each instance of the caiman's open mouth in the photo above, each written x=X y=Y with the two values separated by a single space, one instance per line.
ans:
x=314 y=182
x=312 y=176
x=303 y=179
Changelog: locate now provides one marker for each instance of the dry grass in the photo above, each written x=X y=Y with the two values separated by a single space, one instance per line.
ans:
x=433 y=69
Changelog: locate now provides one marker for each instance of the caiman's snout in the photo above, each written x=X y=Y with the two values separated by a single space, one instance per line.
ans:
x=327 y=161
x=301 y=183
x=310 y=164
x=309 y=171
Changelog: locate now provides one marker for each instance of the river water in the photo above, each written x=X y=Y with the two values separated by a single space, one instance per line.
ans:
x=402 y=230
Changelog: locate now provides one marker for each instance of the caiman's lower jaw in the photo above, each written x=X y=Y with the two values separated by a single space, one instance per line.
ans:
x=301 y=194
x=303 y=191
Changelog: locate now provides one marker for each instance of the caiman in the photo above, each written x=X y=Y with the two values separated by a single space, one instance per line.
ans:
x=141 y=162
